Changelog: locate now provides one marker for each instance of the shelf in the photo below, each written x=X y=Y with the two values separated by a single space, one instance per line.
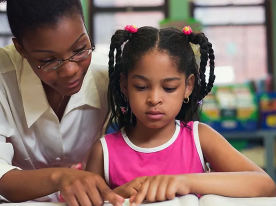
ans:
x=268 y=137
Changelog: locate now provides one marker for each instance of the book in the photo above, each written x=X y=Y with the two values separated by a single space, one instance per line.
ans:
x=187 y=200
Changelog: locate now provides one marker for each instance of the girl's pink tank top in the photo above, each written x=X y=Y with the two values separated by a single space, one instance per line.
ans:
x=124 y=161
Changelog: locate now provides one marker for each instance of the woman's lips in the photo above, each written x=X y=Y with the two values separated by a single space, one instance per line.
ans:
x=73 y=84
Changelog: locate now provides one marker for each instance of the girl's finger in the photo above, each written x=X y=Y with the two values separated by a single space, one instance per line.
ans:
x=141 y=194
x=138 y=182
x=161 y=191
x=152 y=189
x=171 y=190
x=131 y=192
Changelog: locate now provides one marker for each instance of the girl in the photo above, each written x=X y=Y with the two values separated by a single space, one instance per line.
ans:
x=155 y=89
x=50 y=95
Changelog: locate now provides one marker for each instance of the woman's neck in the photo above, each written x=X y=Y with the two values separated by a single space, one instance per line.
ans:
x=145 y=137
x=56 y=100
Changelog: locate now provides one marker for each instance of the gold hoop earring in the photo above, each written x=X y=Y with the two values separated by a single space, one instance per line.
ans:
x=186 y=100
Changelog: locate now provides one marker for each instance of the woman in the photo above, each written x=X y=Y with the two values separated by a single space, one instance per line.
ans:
x=50 y=93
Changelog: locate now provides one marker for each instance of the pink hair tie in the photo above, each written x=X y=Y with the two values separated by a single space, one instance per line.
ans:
x=131 y=28
x=187 y=30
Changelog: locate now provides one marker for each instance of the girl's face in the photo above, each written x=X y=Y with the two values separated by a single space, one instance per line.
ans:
x=156 y=89
x=58 y=42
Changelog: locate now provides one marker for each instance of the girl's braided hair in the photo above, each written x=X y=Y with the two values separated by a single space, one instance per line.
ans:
x=130 y=48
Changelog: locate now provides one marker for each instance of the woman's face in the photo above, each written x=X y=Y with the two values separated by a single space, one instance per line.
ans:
x=58 y=42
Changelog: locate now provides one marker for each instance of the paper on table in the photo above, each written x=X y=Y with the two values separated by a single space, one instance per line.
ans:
x=35 y=204
x=216 y=200
x=187 y=200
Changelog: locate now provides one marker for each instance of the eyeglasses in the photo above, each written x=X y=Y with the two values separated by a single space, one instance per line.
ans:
x=53 y=65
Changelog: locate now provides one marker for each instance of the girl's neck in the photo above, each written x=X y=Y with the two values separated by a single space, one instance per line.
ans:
x=145 y=137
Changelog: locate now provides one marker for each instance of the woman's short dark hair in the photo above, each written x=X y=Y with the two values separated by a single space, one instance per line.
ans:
x=24 y=15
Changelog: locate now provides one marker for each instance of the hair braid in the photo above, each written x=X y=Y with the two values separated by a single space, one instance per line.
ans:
x=212 y=76
x=114 y=91
x=207 y=53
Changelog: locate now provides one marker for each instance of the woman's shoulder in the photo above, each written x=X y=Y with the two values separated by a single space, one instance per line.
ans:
x=99 y=64
x=10 y=62
x=99 y=70
x=10 y=59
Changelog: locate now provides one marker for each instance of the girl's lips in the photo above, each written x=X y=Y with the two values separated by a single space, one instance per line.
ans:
x=154 y=115
x=154 y=112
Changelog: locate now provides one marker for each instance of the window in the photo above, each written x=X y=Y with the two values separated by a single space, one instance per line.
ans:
x=5 y=33
x=238 y=32
x=109 y=15
x=118 y=3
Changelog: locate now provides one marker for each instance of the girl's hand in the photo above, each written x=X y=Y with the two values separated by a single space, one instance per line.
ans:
x=160 y=188
x=80 y=188
x=129 y=189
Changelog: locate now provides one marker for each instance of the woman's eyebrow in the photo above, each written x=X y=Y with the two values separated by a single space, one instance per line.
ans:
x=50 y=51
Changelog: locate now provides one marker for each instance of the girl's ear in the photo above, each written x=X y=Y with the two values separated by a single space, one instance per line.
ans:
x=123 y=84
x=190 y=82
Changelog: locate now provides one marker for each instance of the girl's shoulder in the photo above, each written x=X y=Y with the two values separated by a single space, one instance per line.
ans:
x=112 y=136
x=190 y=126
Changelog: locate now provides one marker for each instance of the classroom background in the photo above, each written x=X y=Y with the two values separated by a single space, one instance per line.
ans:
x=242 y=105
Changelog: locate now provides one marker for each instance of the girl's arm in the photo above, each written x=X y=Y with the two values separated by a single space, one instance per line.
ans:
x=95 y=161
x=95 y=164
x=235 y=174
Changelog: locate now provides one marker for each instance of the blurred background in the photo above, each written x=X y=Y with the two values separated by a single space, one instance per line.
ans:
x=242 y=105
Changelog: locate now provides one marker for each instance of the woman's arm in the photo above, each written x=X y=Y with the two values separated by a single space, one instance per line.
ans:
x=24 y=185
x=78 y=188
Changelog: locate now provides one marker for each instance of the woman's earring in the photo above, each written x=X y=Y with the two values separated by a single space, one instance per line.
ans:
x=186 y=100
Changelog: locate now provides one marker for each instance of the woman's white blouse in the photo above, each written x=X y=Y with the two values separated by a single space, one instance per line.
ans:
x=31 y=136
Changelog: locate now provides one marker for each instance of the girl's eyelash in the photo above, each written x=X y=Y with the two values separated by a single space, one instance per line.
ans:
x=169 y=89
x=140 y=88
